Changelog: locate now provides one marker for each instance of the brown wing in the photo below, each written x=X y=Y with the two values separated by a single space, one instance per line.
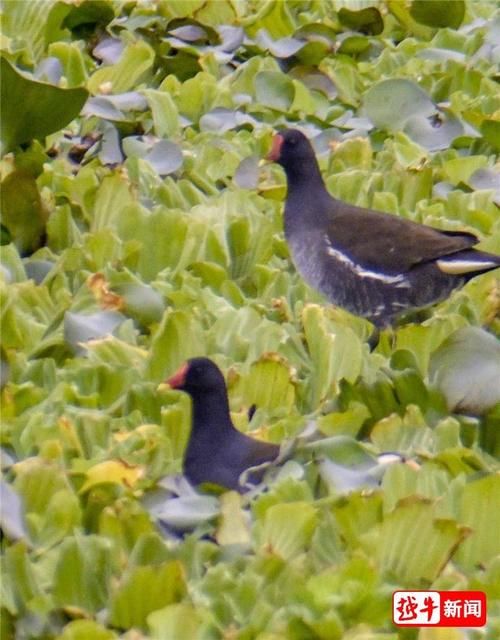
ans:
x=383 y=241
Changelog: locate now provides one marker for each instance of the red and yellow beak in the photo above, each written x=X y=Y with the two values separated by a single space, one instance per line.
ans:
x=275 y=152
x=179 y=378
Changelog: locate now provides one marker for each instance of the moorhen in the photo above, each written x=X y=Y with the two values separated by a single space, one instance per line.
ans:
x=217 y=453
x=373 y=264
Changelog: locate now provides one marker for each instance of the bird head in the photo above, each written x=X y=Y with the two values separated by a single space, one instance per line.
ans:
x=197 y=375
x=290 y=145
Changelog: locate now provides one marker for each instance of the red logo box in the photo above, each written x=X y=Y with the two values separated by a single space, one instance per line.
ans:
x=439 y=608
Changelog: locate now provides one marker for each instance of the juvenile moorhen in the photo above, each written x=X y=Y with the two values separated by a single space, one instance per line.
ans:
x=373 y=264
x=217 y=453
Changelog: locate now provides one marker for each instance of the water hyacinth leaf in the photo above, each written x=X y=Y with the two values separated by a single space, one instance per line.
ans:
x=49 y=70
x=141 y=302
x=366 y=20
x=390 y=103
x=231 y=37
x=286 y=529
x=282 y=48
x=174 y=621
x=343 y=480
x=247 y=173
x=165 y=157
x=79 y=327
x=34 y=109
x=146 y=589
x=466 y=369
x=487 y=179
x=187 y=512
x=434 y=133
x=438 y=13
x=12 y=513
x=110 y=151
x=189 y=33
x=109 y=50
x=274 y=89
x=102 y=107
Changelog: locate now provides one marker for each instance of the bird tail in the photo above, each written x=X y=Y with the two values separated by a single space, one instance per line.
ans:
x=468 y=263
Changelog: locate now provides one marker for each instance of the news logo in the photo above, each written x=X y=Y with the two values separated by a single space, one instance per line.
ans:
x=439 y=608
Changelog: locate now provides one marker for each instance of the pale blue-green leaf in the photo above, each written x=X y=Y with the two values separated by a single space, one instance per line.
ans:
x=435 y=132
x=79 y=327
x=49 y=70
x=109 y=50
x=466 y=368
x=247 y=173
x=165 y=157
x=110 y=151
x=231 y=37
x=102 y=107
x=37 y=270
x=187 y=512
x=487 y=179
x=390 y=103
x=189 y=33
x=12 y=513
x=282 y=48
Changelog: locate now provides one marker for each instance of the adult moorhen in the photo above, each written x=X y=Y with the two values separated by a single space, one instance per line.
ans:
x=371 y=263
x=217 y=453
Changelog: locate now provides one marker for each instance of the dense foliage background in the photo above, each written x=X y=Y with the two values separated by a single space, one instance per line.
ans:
x=139 y=229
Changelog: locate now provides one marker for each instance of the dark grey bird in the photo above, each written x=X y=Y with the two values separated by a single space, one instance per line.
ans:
x=373 y=264
x=217 y=453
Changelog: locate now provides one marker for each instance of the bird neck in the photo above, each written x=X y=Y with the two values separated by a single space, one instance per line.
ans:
x=210 y=415
x=305 y=178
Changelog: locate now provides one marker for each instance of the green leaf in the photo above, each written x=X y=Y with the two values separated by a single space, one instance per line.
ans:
x=179 y=621
x=146 y=589
x=414 y=545
x=165 y=114
x=366 y=20
x=85 y=629
x=134 y=65
x=274 y=89
x=476 y=512
x=89 y=559
x=34 y=109
x=178 y=338
x=438 y=13
x=286 y=529
x=23 y=213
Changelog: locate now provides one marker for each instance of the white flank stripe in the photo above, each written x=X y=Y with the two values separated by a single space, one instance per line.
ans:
x=360 y=271
x=457 y=267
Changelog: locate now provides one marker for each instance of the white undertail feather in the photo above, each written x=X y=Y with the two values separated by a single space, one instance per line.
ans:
x=460 y=267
